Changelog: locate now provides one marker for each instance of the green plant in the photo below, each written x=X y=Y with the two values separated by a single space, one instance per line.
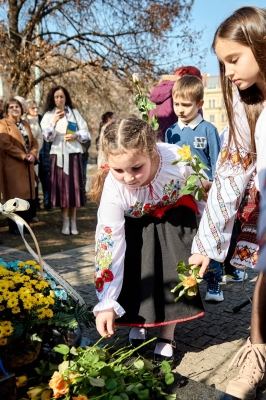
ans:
x=191 y=185
x=102 y=373
x=144 y=104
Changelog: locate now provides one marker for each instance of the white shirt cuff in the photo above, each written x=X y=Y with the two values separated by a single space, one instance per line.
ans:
x=105 y=305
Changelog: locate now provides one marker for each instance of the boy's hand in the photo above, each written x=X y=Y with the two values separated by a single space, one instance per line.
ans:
x=105 y=322
x=207 y=186
x=198 y=260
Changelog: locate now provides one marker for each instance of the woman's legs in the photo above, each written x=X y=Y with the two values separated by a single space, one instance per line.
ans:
x=65 y=228
x=258 y=324
x=73 y=224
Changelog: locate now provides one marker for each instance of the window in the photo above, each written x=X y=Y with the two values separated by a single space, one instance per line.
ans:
x=224 y=119
x=210 y=104
x=212 y=118
x=213 y=104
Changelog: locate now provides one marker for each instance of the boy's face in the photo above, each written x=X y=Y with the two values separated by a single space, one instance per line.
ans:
x=186 y=109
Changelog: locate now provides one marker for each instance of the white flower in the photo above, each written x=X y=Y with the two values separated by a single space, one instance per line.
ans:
x=135 y=78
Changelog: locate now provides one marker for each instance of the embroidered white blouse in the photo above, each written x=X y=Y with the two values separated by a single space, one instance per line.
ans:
x=230 y=181
x=260 y=137
x=118 y=201
x=55 y=133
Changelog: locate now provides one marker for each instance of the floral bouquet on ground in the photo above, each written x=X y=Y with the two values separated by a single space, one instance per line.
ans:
x=26 y=302
x=103 y=373
x=191 y=186
x=29 y=305
x=189 y=280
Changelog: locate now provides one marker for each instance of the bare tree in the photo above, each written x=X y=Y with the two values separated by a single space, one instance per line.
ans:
x=93 y=37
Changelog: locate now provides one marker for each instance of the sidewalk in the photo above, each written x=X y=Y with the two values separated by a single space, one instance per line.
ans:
x=205 y=347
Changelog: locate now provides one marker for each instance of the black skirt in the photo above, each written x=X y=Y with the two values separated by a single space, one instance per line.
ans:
x=154 y=246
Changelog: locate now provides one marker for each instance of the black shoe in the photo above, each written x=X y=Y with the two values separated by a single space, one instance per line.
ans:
x=160 y=357
x=137 y=342
x=48 y=208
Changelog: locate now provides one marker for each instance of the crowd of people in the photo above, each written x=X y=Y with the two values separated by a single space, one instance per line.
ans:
x=145 y=225
x=46 y=149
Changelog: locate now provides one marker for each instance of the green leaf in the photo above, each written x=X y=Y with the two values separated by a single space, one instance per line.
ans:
x=203 y=166
x=170 y=397
x=182 y=277
x=62 y=349
x=186 y=190
x=165 y=367
x=63 y=366
x=73 y=351
x=169 y=379
x=191 y=180
x=116 y=398
x=98 y=382
x=145 y=117
x=111 y=384
x=139 y=364
x=143 y=394
x=156 y=126
x=175 y=162
x=198 y=194
x=124 y=396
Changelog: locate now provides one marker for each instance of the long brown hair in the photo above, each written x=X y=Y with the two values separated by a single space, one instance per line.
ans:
x=120 y=136
x=246 y=26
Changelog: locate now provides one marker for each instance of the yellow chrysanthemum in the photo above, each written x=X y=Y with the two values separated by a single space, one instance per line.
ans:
x=15 y=310
x=3 y=341
x=52 y=294
x=2 y=307
x=37 y=267
x=29 y=271
x=12 y=303
x=30 y=262
x=21 y=264
x=185 y=153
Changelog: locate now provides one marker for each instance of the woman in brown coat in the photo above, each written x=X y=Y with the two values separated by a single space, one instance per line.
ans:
x=18 y=151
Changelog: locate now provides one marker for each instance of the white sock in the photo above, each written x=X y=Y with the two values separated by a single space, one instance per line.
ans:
x=165 y=332
x=137 y=333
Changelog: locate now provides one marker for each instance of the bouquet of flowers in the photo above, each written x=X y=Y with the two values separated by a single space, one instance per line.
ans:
x=100 y=372
x=189 y=283
x=26 y=303
x=191 y=186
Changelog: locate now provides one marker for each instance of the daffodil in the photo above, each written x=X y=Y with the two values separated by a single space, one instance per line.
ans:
x=185 y=153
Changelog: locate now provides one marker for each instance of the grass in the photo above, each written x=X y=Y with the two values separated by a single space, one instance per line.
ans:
x=48 y=231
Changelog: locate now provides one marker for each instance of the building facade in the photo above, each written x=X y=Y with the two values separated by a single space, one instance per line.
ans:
x=213 y=108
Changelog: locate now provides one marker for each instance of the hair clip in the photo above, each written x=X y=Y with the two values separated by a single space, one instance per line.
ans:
x=105 y=166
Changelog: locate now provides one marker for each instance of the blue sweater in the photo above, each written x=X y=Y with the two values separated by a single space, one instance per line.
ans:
x=203 y=140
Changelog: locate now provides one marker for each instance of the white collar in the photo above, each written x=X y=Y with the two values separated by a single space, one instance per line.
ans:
x=192 y=124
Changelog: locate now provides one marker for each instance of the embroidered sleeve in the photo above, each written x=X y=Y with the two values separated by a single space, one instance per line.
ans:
x=109 y=255
x=49 y=132
x=82 y=132
x=230 y=181
x=261 y=169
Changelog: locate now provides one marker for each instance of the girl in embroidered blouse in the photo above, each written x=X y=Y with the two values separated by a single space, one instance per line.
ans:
x=144 y=228
x=240 y=45
x=67 y=181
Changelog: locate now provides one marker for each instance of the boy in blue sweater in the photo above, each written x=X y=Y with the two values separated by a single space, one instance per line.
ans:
x=204 y=141
x=191 y=129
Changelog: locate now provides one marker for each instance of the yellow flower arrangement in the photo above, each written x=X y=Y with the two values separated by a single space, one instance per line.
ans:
x=26 y=303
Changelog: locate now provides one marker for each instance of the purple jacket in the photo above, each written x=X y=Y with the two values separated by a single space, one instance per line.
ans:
x=162 y=96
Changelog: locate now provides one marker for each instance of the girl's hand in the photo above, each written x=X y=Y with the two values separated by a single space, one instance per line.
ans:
x=58 y=115
x=207 y=186
x=105 y=322
x=70 y=137
x=197 y=260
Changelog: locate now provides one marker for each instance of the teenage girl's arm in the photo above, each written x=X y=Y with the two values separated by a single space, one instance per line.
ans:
x=231 y=178
x=260 y=136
